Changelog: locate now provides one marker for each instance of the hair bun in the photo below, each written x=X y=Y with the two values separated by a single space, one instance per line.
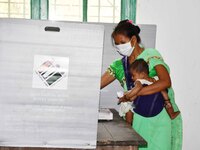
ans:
x=137 y=29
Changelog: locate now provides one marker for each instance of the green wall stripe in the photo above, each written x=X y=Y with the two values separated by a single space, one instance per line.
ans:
x=128 y=9
x=85 y=5
x=35 y=9
x=133 y=4
x=39 y=9
x=123 y=9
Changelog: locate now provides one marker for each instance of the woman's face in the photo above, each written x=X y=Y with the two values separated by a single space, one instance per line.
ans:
x=122 y=39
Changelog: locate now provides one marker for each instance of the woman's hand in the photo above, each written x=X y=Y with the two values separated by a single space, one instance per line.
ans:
x=106 y=79
x=163 y=83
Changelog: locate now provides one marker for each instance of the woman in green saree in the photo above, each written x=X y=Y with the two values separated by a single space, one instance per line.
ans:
x=160 y=132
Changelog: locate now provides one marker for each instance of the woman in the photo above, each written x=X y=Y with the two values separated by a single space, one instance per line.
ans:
x=159 y=131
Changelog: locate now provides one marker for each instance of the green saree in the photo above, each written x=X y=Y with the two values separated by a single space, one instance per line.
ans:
x=160 y=132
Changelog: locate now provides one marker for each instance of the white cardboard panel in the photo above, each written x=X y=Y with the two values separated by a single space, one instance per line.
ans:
x=65 y=113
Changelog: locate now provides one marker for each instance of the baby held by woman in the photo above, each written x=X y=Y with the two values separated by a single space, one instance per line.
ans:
x=139 y=71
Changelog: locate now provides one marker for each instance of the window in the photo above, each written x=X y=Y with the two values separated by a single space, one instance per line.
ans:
x=104 y=11
x=97 y=10
x=111 y=11
x=70 y=10
x=15 y=9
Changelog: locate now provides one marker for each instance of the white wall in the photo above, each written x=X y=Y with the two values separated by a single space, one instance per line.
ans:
x=178 y=40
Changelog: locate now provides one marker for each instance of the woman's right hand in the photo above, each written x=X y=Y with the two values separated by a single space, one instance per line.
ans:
x=106 y=79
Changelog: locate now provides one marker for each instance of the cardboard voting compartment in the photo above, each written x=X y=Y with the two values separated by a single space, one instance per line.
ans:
x=50 y=83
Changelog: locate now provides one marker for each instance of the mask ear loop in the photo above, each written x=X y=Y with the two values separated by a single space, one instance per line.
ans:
x=114 y=45
x=135 y=43
x=131 y=40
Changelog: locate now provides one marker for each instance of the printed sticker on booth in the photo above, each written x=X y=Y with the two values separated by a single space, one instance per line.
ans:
x=50 y=72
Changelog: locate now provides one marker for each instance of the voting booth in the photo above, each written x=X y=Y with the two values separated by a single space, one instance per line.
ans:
x=50 y=83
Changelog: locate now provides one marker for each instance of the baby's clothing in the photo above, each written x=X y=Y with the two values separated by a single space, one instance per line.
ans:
x=143 y=81
x=148 y=105
x=124 y=108
x=129 y=106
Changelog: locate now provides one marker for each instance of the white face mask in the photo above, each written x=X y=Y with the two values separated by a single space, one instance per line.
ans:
x=125 y=49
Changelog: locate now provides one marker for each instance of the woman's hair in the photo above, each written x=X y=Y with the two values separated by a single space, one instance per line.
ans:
x=140 y=66
x=127 y=28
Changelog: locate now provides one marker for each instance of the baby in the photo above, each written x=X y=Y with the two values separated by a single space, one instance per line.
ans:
x=139 y=71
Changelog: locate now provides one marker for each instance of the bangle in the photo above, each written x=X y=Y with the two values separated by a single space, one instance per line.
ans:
x=167 y=100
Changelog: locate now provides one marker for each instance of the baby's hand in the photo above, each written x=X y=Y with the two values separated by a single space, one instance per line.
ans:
x=122 y=99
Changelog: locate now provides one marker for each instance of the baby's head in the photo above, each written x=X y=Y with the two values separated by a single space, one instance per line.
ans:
x=139 y=69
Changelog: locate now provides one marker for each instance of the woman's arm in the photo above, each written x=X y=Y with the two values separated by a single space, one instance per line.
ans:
x=163 y=83
x=106 y=79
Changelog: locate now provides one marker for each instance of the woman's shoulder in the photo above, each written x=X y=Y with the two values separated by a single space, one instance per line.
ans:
x=149 y=53
x=116 y=68
x=152 y=52
x=154 y=58
x=117 y=62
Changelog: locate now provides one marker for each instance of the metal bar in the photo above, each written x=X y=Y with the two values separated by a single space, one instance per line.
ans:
x=85 y=5
x=44 y=10
x=8 y=8
x=24 y=12
x=99 y=10
x=113 y=11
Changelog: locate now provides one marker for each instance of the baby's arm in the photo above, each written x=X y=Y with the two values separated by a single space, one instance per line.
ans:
x=166 y=98
x=133 y=92
x=165 y=95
